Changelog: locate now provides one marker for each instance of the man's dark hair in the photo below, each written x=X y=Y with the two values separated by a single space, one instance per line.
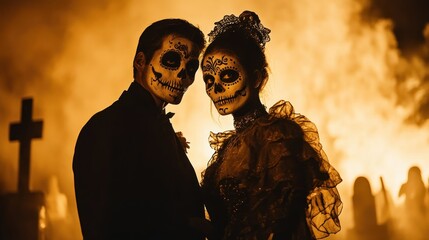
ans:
x=151 y=38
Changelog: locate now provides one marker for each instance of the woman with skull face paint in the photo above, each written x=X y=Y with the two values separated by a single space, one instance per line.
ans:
x=269 y=178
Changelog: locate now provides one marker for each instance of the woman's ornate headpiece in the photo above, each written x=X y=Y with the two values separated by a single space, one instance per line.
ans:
x=248 y=21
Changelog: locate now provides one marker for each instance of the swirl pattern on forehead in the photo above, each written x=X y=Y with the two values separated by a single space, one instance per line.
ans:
x=212 y=65
x=183 y=48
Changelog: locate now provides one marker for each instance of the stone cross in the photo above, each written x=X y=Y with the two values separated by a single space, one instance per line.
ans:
x=24 y=132
x=22 y=214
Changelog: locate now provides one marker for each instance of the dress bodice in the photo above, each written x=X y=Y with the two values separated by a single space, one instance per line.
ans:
x=263 y=177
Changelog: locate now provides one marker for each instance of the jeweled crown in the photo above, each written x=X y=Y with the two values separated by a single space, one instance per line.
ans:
x=248 y=21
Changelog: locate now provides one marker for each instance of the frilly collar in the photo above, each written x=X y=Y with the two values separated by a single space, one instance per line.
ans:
x=281 y=109
x=324 y=201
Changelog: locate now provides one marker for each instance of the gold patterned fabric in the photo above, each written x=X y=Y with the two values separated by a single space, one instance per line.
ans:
x=272 y=180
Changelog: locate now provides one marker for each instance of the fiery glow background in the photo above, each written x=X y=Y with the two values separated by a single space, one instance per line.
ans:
x=358 y=69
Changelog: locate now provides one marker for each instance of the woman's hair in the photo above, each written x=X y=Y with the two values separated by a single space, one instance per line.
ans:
x=245 y=38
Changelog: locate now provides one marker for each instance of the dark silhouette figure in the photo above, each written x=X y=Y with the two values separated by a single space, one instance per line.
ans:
x=414 y=191
x=365 y=213
x=133 y=179
x=414 y=220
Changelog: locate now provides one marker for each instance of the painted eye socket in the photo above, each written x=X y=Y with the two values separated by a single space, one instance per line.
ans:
x=229 y=76
x=192 y=67
x=209 y=80
x=171 y=60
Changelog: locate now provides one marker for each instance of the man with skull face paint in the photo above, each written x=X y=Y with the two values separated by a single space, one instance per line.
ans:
x=132 y=177
x=269 y=178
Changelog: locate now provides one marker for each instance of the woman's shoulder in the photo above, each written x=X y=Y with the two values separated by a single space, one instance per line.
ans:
x=284 y=111
x=281 y=123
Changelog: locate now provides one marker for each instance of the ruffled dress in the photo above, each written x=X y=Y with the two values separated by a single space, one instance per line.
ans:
x=270 y=179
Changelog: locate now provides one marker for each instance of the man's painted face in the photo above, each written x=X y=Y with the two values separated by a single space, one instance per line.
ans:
x=172 y=69
x=226 y=82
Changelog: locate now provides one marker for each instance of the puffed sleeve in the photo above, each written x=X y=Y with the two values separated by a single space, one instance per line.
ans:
x=323 y=200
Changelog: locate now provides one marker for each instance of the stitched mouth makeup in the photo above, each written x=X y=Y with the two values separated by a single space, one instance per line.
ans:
x=222 y=100
x=171 y=85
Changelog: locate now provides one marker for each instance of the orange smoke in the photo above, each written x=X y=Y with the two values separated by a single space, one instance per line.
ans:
x=345 y=74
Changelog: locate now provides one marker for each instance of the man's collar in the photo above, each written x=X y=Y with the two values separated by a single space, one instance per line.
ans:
x=143 y=96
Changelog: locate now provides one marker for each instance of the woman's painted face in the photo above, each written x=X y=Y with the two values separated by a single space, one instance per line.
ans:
x=172 y=69
x=226 y=81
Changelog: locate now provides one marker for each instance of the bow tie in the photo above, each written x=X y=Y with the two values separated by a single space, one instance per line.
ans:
x=165 y=117
x=169 y=114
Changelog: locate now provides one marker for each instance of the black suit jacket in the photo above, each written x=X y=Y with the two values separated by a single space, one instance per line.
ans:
x=132 y=177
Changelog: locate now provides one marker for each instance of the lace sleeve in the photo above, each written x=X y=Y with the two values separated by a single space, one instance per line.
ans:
x=324 y=201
